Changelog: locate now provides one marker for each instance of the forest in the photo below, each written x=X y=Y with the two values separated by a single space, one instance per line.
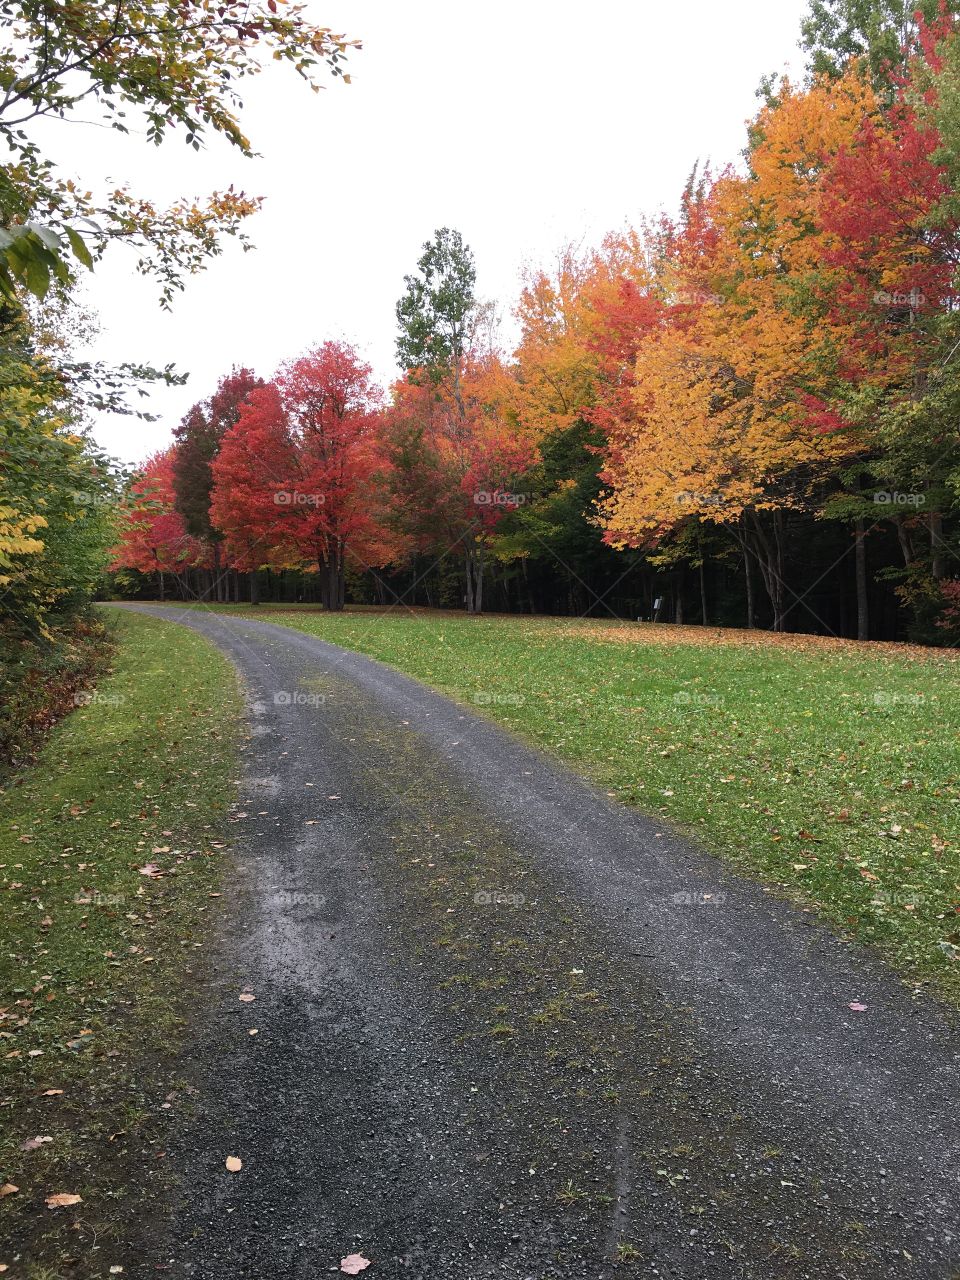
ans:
x=744 y=415
x=741 y=415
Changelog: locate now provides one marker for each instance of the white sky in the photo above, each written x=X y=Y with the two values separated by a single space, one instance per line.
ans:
x=525 y=124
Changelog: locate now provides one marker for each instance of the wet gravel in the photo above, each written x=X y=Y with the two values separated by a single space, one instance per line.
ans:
x=507 y=1028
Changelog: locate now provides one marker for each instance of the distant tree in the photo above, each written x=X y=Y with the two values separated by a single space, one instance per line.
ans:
x=153 y=536
x=435 y=311
x=291 y=480
x=198 y=439
x=453 y=467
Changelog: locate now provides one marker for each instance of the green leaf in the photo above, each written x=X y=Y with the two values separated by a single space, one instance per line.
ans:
x=79 y=247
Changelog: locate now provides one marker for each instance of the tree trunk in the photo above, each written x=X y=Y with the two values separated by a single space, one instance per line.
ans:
x=254 y=587
x=478 y=580
x=937 y=545
x=769 y=559
x=163 y=588
x=748 y=574
x=906 y=545
x=468 y=566
x=863 y=606
x=703 y=593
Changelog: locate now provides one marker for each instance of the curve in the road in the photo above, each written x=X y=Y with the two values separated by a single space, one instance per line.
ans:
x=507 y=1028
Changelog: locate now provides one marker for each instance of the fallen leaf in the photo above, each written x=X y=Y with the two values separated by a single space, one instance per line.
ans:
x=32 y=1144
x=151 y=870
x=62 y=1200
x=247 y=996
x=252 y=1031
x=856 y=1006
x=8 y=1189
x=115 y=1271
x=353 y=1263
x=233 y=1164
x=51 y=1093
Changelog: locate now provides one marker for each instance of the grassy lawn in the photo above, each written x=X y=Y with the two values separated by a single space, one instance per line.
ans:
x=828 y=769
x=109 y=852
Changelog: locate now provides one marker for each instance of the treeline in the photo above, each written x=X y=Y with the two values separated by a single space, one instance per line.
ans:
x=746 y=415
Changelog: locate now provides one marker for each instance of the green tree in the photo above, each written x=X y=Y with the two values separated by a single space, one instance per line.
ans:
x=435 y=312
x=884 y=32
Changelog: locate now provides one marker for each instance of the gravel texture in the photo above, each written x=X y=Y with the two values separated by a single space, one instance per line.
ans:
x=508 y=1028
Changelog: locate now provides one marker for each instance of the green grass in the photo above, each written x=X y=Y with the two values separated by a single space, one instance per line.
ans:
x=827 y=769
x=97 y=959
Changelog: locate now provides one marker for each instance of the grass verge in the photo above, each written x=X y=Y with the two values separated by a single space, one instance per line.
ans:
x=109 y=851
x=827 y=769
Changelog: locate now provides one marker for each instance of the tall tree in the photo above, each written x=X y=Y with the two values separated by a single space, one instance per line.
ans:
x=435 y=312
x=154 y=538
x=453 y=468
x=198 y=438
x=292 y=478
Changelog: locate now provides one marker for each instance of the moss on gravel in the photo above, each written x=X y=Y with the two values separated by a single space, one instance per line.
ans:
x=826 y=768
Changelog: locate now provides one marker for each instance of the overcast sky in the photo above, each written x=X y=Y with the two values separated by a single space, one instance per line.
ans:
x=525 y=124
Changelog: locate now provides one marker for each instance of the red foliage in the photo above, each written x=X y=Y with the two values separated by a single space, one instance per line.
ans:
x=154 y=538
x=291 y=482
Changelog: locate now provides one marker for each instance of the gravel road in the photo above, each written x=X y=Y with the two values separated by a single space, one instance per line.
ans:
x=506 y=1027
